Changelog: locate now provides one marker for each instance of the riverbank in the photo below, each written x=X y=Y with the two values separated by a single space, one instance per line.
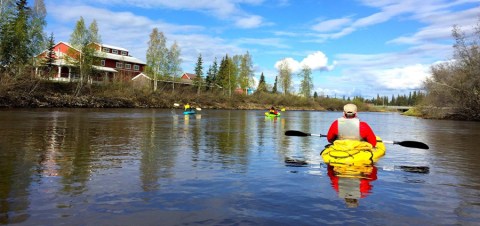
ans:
x=45 y=94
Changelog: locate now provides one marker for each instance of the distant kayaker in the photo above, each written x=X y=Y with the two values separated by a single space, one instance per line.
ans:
x=273 y=111
x=187 y=107
x=349 y=127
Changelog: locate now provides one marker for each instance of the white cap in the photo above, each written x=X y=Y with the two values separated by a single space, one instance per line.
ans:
x=350 y=108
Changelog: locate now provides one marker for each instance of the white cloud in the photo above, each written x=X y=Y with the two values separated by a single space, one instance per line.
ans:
x=249 y=21
x=223 y=9
x=317 y=61
x=330 y=25
x=406 y=78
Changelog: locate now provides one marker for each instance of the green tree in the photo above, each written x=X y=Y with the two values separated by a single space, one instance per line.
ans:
x=51 y=56
x=156 y=56
x=226 y=74
x=15 y=40
x=80 y=39
x=37 y=24
x=173 y=62
x=80 y=35
x=306 y=85
x=262 y=85
x=246 y=71
x=285 y=76
x=93 y=32
x=199 y=73
x=275 y=89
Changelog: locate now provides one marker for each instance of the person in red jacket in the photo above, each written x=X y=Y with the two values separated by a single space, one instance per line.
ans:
x=349 y=127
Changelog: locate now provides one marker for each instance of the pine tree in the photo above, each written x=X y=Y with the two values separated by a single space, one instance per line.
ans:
x=274 y=89
x=199 y=73
x=262 y=86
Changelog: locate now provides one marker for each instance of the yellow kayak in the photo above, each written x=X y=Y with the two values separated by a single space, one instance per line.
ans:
x=353 y=152
x=268 y=114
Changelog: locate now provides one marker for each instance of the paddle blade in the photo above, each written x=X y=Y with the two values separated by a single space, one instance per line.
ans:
x=412 y=144
x=296 y=133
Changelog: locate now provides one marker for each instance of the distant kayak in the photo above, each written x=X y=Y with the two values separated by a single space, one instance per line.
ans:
x=353 y=152
x=268 y=114
x=190 y=112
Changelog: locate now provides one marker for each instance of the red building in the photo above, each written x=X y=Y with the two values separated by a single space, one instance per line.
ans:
x=113 y=63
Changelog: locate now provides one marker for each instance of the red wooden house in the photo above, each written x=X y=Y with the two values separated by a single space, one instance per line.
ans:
x=113 y=63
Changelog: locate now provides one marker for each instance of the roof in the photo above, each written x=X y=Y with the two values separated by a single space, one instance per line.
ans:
x=113 y=47
x=107 y=69
x=141 y=75
x=190 y=75
x=119 y=57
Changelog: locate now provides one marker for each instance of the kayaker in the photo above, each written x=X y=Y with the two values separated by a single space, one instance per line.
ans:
x=349 y=127
x=273 y=111
x=187 y=107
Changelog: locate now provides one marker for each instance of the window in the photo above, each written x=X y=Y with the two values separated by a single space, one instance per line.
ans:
x=136 y=67
x=124 y=53
x=114 y=51
x=119 y=65
x=105 y=49
x=103 y=62
x=128 y=66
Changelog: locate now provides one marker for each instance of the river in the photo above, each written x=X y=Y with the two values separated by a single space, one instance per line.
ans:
x=226 y=167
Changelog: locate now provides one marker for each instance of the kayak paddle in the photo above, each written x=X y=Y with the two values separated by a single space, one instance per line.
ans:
x=410 y=144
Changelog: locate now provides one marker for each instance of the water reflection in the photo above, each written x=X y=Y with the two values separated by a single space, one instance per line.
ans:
x=352 y=183
x=102 y=166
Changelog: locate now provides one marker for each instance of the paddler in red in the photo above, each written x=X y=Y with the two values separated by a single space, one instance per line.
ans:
x=349 y=127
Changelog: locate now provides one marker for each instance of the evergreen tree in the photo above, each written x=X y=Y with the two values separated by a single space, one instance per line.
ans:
x=315 y=95
x=199 y=72
x=15 y=42
x=51 y=56
x=262 y=86
x=275 y=89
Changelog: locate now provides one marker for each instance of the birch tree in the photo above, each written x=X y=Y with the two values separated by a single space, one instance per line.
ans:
x=174 y=61
x=285 y=76
x=245 y=71
x=157 y=56
x=306 y=84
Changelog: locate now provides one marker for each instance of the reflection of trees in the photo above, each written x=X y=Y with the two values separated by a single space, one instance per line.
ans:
x=158 y=149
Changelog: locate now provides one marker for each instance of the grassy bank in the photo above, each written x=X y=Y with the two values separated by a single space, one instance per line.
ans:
x=37 y=93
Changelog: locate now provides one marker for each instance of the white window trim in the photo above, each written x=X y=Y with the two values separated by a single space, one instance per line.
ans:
x=128 y=66
x=114 y=51
x=103 y=62
x=105 y=49
x=124 y=53
x=119 y=65
x=136 y=68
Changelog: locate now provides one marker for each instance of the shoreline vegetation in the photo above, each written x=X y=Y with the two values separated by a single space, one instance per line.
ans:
x=40 y=93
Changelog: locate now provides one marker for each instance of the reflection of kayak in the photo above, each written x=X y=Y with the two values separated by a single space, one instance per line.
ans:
x=353 y=152
x=190 y=112
x=352 y=182
x=268 y=114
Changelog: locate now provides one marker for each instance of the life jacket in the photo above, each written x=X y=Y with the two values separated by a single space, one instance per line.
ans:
x=349 y=129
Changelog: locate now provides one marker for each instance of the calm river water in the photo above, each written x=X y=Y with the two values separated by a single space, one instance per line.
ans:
x=221 y=167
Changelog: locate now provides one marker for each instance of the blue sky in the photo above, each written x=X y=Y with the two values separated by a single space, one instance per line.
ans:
x=355 y=47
